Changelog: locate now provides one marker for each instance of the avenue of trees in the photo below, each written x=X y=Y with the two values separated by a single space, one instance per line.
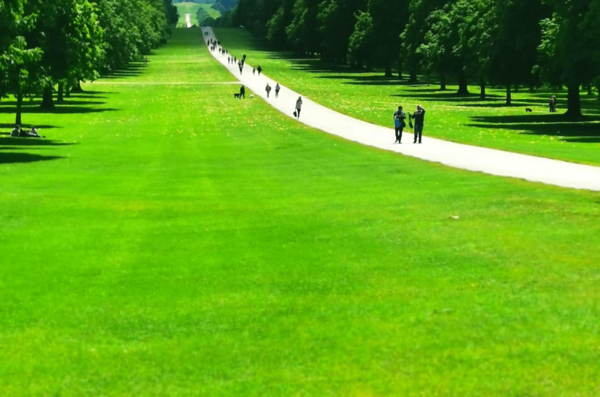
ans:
x=508 y=43
x=50 y=46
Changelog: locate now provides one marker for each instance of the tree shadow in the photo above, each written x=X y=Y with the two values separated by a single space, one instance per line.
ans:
x=12 y=158
x=66 y=102
x=58 y=109
x=532 y=118
x=25 y=126
x=581 y=130
x=13 y=141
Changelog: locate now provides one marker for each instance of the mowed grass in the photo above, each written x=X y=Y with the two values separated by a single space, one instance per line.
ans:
x=168 y=240
x=489 y=123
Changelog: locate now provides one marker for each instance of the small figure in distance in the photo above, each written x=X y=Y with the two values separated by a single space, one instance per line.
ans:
x=241 y=66
x=298 y=107
x=228 y=60
x=399 y=123
x=552 y=104
x=242 y=92
x=268 y=89
x=419 y=117
x=253 y=71
x=277 y=88
x=259 y=70
x=34 y=133
x=244 y=57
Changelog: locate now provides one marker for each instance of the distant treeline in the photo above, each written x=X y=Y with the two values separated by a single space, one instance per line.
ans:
x=499 y=42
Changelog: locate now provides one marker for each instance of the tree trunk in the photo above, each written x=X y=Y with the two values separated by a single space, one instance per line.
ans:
x=573 y=101
x=508 y=95
x=463 y=89
x=482 y=89
x=19 y=105
x=68 y=91
x=47 y=98
x=590 y=91
x=516 y=88
x=443 y=81
x=388 y=70
x=60 y=98
x=413 y=77
x=399 y=70
x=77 y=88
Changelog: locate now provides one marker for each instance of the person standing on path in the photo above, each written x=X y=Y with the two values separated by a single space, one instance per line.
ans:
x=277 y=88
x=242 y=92
x=241 y=65
x=268 y=89
x=259 y=70
x=298 y=107
x=399 y=123
x=419 y=117
x=253 y=71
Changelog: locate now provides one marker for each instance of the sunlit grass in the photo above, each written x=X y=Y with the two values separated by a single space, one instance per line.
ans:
x=169 y=240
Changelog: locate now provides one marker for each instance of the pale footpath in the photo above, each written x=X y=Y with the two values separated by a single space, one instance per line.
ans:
x=472 y=158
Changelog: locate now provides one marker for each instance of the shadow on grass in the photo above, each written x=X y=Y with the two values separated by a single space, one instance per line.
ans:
x=582 y=130
x=10 y=141
x=66 y=102
x=12 y=158
x=25 y=126
x=58 y=109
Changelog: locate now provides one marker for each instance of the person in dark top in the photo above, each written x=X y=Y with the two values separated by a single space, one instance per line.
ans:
x=399 y=123
x=552 y=104
x=259 y=69
x=268 y=89
x=277 y=88
x=243 y=92
x=419 y=117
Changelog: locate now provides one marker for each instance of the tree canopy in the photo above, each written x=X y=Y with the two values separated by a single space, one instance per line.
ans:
x=509 y=43
x=56 y=44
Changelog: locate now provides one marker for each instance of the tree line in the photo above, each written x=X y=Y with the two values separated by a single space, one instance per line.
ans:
x=508 y=43
x=49 y=46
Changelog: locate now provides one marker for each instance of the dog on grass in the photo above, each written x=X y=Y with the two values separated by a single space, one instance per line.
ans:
x=528 y=110
x=238 y=96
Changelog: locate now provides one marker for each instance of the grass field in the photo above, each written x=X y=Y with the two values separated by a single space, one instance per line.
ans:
x=168 y=240
x=489 y=123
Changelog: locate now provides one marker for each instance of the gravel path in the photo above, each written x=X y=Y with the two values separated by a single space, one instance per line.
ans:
x=472 y=158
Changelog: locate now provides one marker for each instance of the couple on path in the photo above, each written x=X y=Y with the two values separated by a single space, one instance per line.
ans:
x=400 y=123
x=268 y=89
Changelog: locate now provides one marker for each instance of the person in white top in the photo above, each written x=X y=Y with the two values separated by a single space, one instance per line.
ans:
x=298 y=107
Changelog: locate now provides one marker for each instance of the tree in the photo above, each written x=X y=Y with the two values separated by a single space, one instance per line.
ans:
x=361 y=41
x=568 y=49
x=441 y=50
x=389 y=21
x=18 y=60
x=414 y=33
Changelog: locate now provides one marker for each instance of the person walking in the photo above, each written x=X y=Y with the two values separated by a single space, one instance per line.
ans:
x=552 y=104
x=268 y=89
x=277 y=88
x=259 y=69
x=399 y=123
x=298 y=107
x=241 y=65
x=419 y=117
x=242 y=92
x=253 y=71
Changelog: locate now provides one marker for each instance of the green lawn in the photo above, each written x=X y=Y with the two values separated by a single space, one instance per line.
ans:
x=168 y=240
x=489 y=123
x=210 y=11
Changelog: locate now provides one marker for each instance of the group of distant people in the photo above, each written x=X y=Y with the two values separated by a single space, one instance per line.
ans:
x=400 y=123
x=21 y=133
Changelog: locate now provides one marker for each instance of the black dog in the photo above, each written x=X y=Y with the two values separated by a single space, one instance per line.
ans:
x=528 y=110
x=238 y=96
